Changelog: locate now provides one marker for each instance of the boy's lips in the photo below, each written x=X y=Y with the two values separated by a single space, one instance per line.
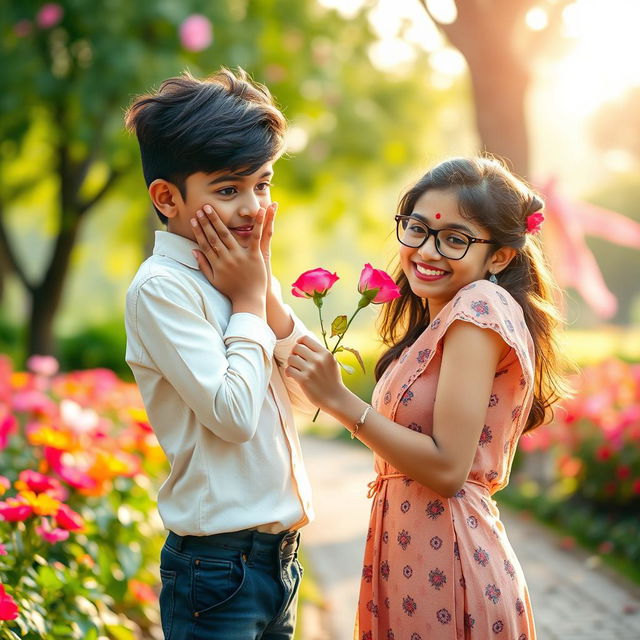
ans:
x=243 y=231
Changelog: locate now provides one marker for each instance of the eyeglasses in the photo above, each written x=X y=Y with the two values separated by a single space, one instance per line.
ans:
x=450 y=243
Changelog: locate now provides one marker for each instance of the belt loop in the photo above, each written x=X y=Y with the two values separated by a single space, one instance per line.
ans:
x=253 y=550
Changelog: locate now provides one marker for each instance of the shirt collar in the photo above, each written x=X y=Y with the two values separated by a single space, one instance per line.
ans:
x=175 y=247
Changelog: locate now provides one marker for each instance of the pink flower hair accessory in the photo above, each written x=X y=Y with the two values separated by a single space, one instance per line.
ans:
x=534 y=222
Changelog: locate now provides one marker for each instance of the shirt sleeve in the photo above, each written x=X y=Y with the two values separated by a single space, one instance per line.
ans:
x=222 y=378
x=281 y=354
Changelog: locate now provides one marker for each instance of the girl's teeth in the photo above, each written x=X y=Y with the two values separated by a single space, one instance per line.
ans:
x=429 y=272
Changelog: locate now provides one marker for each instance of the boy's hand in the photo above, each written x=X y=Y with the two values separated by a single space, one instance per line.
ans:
x=265 y=239
x=236 y=271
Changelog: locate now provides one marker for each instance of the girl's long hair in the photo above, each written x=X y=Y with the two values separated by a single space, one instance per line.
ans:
x=495 y=199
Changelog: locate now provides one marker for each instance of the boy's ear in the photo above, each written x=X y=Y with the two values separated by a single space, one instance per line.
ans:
x=500 y=259
x=166 y=197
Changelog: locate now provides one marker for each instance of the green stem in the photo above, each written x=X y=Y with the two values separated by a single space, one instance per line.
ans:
x=324 y=333
x=335 y=348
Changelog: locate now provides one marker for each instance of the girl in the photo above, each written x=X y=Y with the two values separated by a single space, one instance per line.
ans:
x=471 y=364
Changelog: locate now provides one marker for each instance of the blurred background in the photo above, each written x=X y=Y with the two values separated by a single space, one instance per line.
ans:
x=375 y=92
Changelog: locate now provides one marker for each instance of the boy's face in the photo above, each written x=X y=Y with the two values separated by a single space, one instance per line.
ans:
x=235 y=198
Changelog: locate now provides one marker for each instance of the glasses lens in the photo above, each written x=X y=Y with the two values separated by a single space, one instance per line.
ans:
x=410 y=232
x=452 y=244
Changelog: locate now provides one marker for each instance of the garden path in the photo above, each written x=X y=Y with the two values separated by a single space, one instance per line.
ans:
x=574 y=597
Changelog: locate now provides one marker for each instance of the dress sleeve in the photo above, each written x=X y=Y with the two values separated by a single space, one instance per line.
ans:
x=489 y=306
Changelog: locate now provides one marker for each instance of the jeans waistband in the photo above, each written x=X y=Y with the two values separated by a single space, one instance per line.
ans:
x=246 y=541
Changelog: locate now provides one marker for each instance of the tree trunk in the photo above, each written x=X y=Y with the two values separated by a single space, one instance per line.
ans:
x=46 y=297
x=499 y=92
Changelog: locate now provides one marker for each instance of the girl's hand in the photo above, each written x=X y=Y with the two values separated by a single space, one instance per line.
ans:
x=236 y=271
x=316 y=371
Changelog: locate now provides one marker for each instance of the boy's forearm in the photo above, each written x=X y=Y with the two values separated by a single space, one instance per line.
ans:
x=278 y=318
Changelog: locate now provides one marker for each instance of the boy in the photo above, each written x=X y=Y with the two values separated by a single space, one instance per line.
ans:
x=209 y=361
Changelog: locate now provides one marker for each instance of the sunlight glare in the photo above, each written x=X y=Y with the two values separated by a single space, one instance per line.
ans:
x=537 y=19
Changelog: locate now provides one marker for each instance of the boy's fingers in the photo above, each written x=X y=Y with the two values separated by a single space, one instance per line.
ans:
x=204 y=265
x=206 y=236
x=226 y=237
x=256 y=234
x=267 y=228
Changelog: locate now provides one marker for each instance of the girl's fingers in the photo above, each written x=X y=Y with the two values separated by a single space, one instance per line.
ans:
x=225 y=236
x=311 y=344
x=303 y=352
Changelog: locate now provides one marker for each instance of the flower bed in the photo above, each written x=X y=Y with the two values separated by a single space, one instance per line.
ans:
x=79 y=531
x=592 y=487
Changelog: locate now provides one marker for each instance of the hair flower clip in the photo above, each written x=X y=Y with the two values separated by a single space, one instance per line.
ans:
x=534 y=222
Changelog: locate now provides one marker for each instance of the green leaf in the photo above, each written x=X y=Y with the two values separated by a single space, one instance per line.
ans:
x=339 y=326
x=118 y=632
x=346 y=367
x=356 y=353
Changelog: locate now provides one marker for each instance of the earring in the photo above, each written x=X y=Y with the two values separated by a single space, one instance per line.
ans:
x=493 y=279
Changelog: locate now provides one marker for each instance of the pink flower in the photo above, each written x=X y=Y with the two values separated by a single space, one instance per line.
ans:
x=50 y=15
x=15 y=510
x=29 y=480
x=68 y=519
x=379 y=281
x=51 y=534
x=43 y=365
x=534 y=222
x=3 y=550
x=196 y=33
x=7 y=427
x=8 y=606
x=315 y=282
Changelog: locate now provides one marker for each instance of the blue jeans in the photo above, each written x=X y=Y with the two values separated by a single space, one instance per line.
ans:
x=230 y=586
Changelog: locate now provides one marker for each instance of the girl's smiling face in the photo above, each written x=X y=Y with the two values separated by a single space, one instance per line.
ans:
x=433 y=276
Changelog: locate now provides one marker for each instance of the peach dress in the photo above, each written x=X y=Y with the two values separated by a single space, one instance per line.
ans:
x=439 y=568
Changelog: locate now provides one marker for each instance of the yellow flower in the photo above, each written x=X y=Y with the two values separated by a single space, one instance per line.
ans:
x=48 y=437
x=42 y=504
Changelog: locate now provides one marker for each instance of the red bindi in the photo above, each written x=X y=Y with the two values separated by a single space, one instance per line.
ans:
x=438 y=216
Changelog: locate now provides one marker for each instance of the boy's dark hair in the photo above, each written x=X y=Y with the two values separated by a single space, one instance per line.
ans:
x=224 y=122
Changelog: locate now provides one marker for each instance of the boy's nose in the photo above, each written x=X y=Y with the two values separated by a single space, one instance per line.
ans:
x=250 y=206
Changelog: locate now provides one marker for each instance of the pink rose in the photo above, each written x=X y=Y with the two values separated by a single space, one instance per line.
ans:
x=534 y=222
x=196 y=33
x=68 y=519
x=376 y=279
x=314 y=282
x=8 y=606
x=50 y=15
x=43 y=365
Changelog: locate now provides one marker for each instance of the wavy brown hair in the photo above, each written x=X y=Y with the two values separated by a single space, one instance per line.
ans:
x=491 y=196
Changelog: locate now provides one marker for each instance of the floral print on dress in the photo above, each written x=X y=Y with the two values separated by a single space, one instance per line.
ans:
x=404 y=539
x=407 y=397
x=480 y=307
x=458 y=539
x=497 y=626
x=409 y=605
x=486 y=436
x=437 y=579
x=493 y=593
x=435 y=509
x=367 y=572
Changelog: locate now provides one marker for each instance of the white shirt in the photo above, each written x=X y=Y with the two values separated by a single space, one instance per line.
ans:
x=217 y=398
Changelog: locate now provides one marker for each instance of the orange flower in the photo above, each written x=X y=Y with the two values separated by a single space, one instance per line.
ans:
x=42 y=504
x=142 y=592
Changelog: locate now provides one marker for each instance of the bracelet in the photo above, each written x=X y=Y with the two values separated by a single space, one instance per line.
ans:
x=360 y=422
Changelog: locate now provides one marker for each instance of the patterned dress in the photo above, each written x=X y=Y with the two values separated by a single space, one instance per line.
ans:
x=440 y=568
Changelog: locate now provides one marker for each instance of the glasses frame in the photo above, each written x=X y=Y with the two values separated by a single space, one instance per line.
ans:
x=434 y=232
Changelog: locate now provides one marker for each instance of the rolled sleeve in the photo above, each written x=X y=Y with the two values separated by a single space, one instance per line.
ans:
x=223 y=379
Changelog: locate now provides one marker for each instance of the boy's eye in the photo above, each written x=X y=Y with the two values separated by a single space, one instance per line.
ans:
x=227 y=191
x=263 y=186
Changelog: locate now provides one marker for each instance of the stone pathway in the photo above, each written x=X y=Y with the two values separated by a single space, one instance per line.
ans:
x=573 y=596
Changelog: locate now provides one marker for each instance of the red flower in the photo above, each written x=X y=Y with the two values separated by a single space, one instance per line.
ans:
x=8 y=606
x=623 y=472
x=15 y=510
x=68 y=519
x=604 y=452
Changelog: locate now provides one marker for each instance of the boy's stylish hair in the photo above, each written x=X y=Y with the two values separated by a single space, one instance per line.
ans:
x=188 y=125
x=490 y=195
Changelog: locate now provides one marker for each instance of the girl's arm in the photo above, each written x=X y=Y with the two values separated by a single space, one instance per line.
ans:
x=442 y=461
